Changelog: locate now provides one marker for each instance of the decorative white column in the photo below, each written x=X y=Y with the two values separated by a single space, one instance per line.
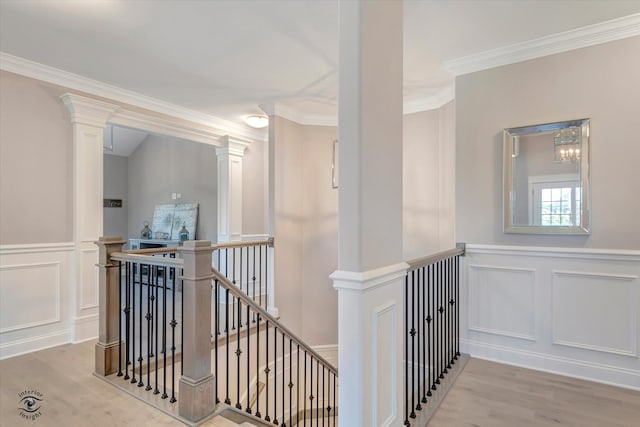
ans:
x=230 y=188
x=371 y=273
x=89 y=118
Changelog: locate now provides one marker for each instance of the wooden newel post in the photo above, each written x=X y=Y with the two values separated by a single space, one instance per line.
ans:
x=108 y=346
x=197 y=385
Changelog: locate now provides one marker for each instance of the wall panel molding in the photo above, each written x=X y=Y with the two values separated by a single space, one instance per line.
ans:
x=614 y=310
x=384 y=380
x=16 y=308
x=584 y=310
x=508 y=294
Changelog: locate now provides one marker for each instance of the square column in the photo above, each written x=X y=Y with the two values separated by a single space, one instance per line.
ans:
x=230 y=156
x=371 y=273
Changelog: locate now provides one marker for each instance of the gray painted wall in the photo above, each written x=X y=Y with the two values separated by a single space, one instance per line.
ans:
x=162 y=165
x=115 y=183
x=599 y=82
x=35 y=162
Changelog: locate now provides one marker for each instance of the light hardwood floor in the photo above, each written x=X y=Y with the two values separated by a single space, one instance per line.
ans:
x=486 y=394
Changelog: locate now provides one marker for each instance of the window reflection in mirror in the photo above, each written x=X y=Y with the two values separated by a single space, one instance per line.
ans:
x=546 y=178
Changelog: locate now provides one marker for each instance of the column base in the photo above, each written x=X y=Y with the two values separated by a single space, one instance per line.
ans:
x=196 y=398
x=106 y=358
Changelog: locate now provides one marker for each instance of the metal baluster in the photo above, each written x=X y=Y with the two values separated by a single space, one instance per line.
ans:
x=119 y=319
x=133 y=328
x=238 y=353
x=431 y=322
x=254 y=280
x=275 y=375
x=127 y=320
x=457 y=306
x=445 y=302
x=164 y=336
x=258 y=367
x=334 y=399
x=261 y=276
x=304 y=414
x=157 y=315
x=173 y=340
x=181 y=332
x=248 y=360
x=266 y=372
x=226 y=331
x=425 y=384
x=217 y=314
x=233 y=274
x=416 y=303
x=140 y=359
x=450 y=317
x=149 y=336
x=323 y=394
x=298 y=386
x=413 y=344
x=440 y=322
x=317 y=391
x=290 y=383
x=283 y=423
x=429 y=334
x=406 y=351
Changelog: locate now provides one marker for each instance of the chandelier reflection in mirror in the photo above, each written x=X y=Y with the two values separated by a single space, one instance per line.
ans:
x=566 y=145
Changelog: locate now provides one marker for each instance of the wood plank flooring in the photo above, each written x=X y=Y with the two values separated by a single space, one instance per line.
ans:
x=490 y=394
x=486 y=395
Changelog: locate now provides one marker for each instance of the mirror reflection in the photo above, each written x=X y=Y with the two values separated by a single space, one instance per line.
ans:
x=546 y=186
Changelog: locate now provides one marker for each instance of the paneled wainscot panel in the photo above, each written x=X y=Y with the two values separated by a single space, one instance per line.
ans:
x=30 y=295
x=596 y=311
x=384 y=333
x=502 y=301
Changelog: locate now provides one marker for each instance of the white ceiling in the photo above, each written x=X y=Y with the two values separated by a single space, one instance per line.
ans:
x=121 y=141
x=226 y=58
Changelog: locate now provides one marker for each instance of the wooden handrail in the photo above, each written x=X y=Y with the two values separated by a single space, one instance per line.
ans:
x=431 y=259
x=235 y=291
x=216 y=246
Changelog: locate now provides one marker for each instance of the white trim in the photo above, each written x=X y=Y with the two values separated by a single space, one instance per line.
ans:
x=31 y=266
x=445 y=95
x=34 y=248
x=539 y=251
x=378 y=312
x=471 y=307
x=616 y=29
x=31 y=344
x=368 y=280
x=633 y=344
x=605 y=374
x=85 y=328
x=24 y=67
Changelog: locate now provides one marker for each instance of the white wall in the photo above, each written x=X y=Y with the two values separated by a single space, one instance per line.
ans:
x=566 y=304
x=115 y=183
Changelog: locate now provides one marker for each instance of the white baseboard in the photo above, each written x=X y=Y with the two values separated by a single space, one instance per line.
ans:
x=589 y=371
x=36 y=343
x=86 y=328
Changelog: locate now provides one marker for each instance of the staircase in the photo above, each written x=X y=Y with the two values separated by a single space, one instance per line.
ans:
x=198 y=342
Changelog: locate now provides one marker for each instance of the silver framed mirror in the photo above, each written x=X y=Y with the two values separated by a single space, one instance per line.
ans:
x=546 y=188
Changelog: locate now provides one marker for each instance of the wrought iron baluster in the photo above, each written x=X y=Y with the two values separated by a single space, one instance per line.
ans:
x=457 y=306
x=258 y=366
x=149 y=324
x=164 y=337
x=157 y=315
x=238 y=354
x=120 y=319
x=133 y=327
x=266 y=373
x=217 y=328
x=226 y=331
x=406 y=351
x=275 y=375
x=412 y=332
x=127 y=319
x=248 y=360
x=173 y=324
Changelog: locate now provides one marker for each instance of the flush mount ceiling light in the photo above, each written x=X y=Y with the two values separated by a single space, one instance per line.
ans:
x=257 y=121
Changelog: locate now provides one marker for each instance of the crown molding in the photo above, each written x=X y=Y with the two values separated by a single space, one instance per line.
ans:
x=444 y=95
x=616 y=29
x=27 y=68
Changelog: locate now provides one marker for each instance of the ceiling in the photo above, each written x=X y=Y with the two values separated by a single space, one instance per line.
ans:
x=226 y=58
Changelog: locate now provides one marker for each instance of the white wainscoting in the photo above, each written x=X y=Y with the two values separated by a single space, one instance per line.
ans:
x=35 y=297
x=563 y=310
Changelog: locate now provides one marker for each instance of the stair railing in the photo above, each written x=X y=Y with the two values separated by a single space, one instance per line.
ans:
x=431 y=325
x=157 y=327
